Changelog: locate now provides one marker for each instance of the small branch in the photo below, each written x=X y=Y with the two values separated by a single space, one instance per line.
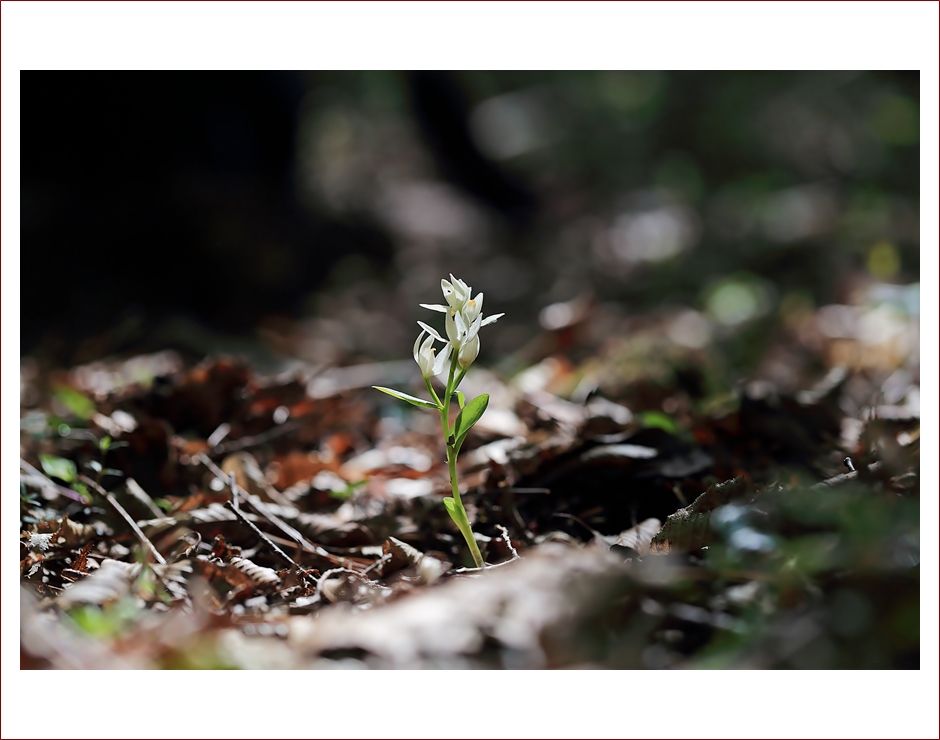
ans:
x=234 y=507
x=258 y=506
x=384 y=559
x=845 y=477
x=505 y=538
x=264 y=538
x=67 y=492
x=142 y=538
x=242 y=443
x=485 y=567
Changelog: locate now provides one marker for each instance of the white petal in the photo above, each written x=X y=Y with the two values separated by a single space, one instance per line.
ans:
x=434 y=307
x=492 y=319
x=473 y=308
x=469 y=352
x=474 y=330
x=451 y=328
x=462 y=327
x=446 y=288
x=441 y=361
x=418 y=344
x=431 y=331
x=426 y=357
x=461 y=289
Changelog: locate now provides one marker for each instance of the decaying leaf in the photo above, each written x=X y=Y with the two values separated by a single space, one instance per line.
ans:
x=400 y=555
x=37 y=542
x=114 y=579
x=214 y=512
x=243 y=575
x=524 y=607
x=343 y=584
x=688 y=529
x=73 y=534
x=640 y=536
x=258 y=574
x=250 y=478
x=79 y=567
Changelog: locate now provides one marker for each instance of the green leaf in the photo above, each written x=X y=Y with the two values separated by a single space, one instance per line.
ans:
x=78 y=403
x=81 y=489
x=59 y=467
x=104 y=444
x=659 y=420
x=419 y=402
x=347 y=492
x=469 y=416
x=461 y=399
x=451 y=507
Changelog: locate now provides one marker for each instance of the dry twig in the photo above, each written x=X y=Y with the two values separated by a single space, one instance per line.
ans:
x=141 y=537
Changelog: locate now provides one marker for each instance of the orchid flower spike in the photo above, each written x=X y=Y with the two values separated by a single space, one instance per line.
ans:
x=463 y=318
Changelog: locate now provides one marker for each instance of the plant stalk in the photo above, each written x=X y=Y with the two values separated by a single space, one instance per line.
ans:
x=460 y=513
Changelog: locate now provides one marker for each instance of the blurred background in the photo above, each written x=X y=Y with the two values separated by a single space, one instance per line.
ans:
x=766 y=219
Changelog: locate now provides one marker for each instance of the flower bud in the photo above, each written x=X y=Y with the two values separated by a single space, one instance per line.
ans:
x=469 y=351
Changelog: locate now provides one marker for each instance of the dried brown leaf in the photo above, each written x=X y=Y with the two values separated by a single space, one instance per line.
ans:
x=259 y=575
x=114 y=579
x=214 y=512
x=688 y=529
x=81 y=562
x=73 y=534
x=527 y=607
x=640 y=536
x=37 y=542
x=107 y=584
x=240 y=573
x=400 y=555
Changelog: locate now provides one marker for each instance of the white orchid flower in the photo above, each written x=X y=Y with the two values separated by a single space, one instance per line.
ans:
x=462 y=321
x=456 y=293
x=425 y=357
x=459 y=292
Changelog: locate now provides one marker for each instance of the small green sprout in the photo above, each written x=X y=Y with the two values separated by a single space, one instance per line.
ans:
x=463 y=319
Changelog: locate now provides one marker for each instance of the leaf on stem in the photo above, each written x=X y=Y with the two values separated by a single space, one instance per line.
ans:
x=469 y=416
x=419 y=402
x=461 y=399
x=58 y=467
x=451 y=507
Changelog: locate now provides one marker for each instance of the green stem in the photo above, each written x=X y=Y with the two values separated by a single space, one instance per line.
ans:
x=427 y=382
x=459 y=515
x=461 y=519
x=460 y=377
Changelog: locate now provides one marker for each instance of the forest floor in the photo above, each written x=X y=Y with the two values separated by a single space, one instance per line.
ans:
x=204 y=514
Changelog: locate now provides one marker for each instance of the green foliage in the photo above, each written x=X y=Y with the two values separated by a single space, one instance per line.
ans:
x=847 y=555
x=468 y=416
x=59 y=467
x=414 y=401
x=77 y=403
x=659 y=420
x=343 y=494
x=109 y=621
x=451 y=507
